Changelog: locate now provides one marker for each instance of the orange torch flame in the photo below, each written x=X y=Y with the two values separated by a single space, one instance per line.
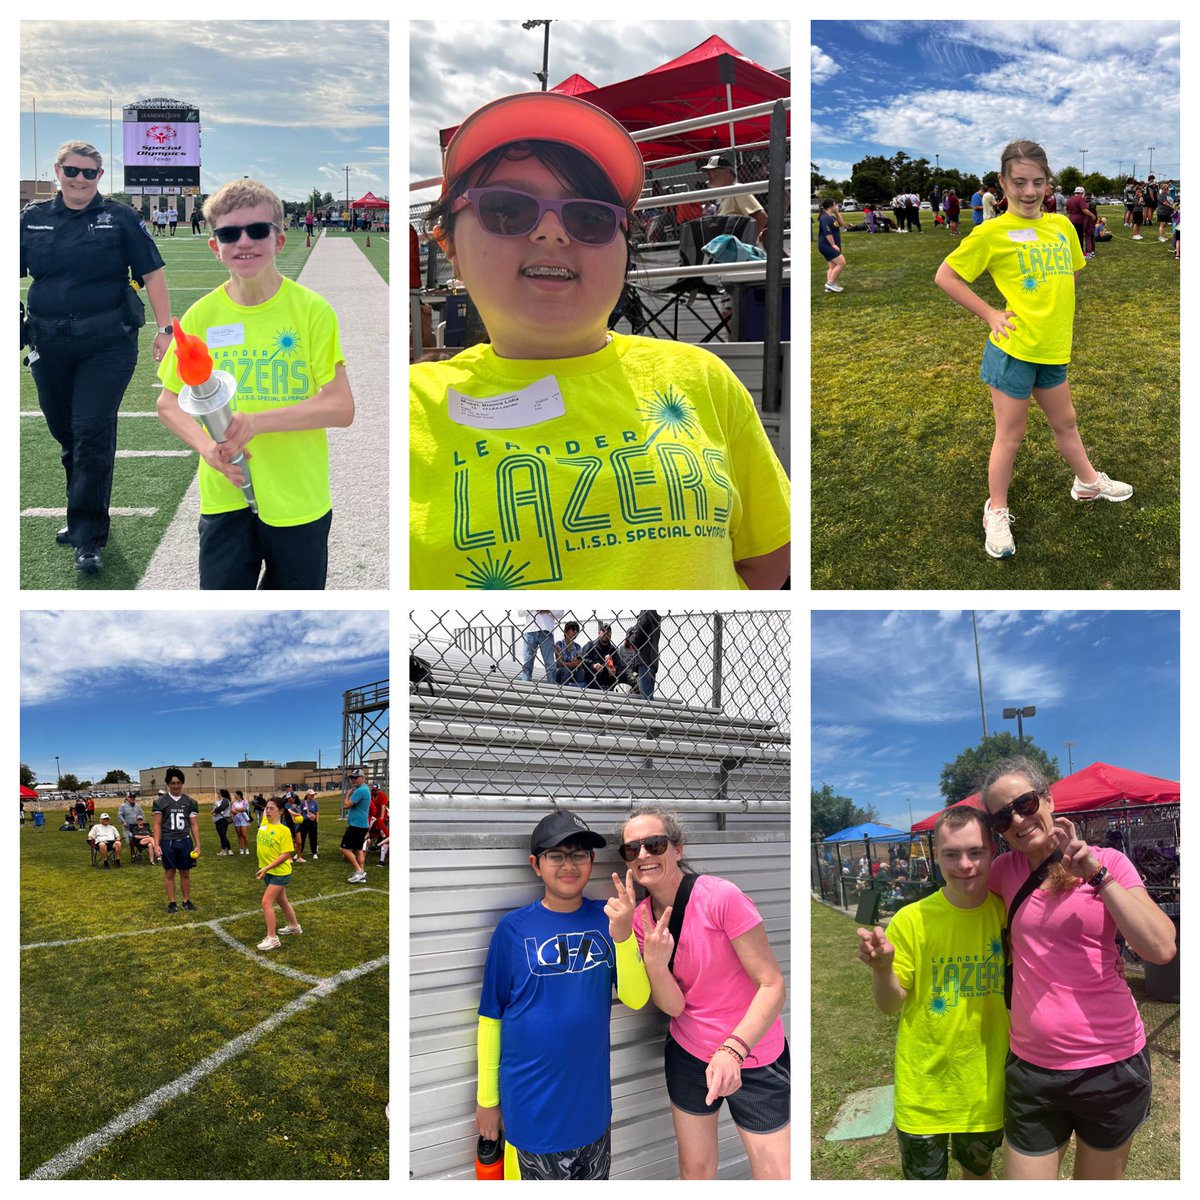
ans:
x=195 y=362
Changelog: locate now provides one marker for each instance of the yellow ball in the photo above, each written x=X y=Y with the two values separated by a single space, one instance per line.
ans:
x=195 y=853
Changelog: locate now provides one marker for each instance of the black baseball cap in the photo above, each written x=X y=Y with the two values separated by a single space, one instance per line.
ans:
x=559 y=827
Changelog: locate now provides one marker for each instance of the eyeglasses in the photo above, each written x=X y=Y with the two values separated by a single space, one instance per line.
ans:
x=1026 y=805
x=513 y=214
x=228 y=234
x=86 y=172
x=558 y=857
x=656 y=845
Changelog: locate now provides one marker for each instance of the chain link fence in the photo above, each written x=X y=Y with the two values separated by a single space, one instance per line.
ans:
x=678 y=706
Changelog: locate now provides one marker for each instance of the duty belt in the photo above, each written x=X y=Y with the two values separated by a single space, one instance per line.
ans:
x=64 y=328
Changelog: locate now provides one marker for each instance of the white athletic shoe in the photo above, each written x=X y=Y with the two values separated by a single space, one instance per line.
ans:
x=834 y=287
x=290 y=929
x=999 y=540
x=314 y=856
x=358 y=877
x=1103 y=489
x=268 y=944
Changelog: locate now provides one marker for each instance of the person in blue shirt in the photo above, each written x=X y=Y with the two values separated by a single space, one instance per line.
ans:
x=356 y=804
x=545 y=1007
x=568 y=657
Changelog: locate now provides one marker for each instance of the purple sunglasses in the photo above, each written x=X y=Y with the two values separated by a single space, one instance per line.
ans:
x=508 y=213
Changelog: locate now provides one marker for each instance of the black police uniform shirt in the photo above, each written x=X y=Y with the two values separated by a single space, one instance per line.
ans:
x=81 y=259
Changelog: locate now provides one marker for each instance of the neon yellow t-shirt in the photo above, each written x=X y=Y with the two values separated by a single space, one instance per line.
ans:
x=280 y=353
x=953 y=1035
x=642 y=465
x=1033 y=262
x=272 y=841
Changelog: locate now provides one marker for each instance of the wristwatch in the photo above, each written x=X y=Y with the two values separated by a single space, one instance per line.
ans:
x=1099 y=877
x=167 y=329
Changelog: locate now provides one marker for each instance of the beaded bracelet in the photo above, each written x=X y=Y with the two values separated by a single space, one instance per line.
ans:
x=731 y=1050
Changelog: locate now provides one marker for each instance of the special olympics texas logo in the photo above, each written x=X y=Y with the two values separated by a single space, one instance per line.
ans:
x=162 y=134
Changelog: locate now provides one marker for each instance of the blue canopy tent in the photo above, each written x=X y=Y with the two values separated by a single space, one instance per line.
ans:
x=868 y=831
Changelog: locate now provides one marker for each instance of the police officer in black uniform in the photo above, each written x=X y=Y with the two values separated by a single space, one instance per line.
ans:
x=82 y=329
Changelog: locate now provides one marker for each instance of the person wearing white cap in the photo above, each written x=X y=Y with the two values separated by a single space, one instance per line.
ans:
x=560 y=453
x=721 y=174
x=107 y=840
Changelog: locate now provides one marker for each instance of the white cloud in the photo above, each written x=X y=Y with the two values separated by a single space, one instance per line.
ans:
x=822 y=65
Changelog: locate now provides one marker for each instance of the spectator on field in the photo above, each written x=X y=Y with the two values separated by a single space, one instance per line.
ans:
x=952 y=207
x=105 y=838
x=222 y=813
x=129 y=811
x=356 y=803
x=310 y=810
x=989 y=203
x=720 y=173
x=240 y=809
x=140 y=834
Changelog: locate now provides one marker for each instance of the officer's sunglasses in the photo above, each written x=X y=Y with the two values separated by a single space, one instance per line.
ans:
x=1026 y=805
x=86 y=172
x=227 y=235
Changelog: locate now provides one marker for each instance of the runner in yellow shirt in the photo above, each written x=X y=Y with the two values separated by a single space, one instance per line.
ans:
x=275 y=850
x=1034 y=259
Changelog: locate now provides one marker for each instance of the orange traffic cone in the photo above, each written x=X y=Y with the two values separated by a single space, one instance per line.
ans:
x=308 y=241
x=368 y=239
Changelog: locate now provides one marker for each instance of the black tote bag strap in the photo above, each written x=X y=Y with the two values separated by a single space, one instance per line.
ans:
x=1036 y=878
x=678 y=909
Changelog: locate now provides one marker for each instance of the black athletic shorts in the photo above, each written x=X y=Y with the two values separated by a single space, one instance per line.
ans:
x=924 y=1156
x=354 y=837
x=177 y=854
x=1103 y=1106
x=584 y=1162
x=762 y=1104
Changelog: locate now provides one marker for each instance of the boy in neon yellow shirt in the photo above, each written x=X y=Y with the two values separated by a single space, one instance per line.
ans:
x=941 y=966
x=280 y=342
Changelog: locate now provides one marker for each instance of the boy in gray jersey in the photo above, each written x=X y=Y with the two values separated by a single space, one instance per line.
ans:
x=174 y=814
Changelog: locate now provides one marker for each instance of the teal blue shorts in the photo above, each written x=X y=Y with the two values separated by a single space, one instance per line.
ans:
x=1014 y=376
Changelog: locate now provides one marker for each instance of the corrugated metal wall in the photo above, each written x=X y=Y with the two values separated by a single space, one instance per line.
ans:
x=466 y=873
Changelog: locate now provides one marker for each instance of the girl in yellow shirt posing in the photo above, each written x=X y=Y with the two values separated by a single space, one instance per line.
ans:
x=275 y=850
x=1034 y=259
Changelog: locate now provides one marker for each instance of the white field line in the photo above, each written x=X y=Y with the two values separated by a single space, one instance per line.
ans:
x=112 y=512
x=100 y=937
x=80 y=1151
x=258 y=959
x=37 y=412
x=155 y=453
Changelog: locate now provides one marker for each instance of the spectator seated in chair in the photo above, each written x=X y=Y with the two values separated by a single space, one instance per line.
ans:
x=105 y=841
x=141 y=842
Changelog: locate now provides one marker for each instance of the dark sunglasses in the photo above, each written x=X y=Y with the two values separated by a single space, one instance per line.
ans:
x=513 y=214
x=1026 y=805
x=654 y=845
x=228 y=234
x=86 y=172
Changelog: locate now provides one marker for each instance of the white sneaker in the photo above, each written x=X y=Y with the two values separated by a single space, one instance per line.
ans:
x=1162 y=239
x=834 y=287
x=290 y=929
x=358 y=877
x=1137 y=237
x=999 y=540
x=314 y=856
x=268 y=944
x=1103 y=489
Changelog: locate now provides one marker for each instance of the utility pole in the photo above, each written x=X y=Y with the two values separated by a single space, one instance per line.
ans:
x=1069 y=746
x=1084 y=153
x=979 y=674
x=347 y=170
x=1150 y=169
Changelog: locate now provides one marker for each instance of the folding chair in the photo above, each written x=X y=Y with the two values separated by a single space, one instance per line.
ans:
x=706 y=299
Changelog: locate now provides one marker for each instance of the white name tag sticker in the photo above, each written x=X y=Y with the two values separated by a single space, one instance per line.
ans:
x=225 y=335
x=540 y=401
x=1022 y=235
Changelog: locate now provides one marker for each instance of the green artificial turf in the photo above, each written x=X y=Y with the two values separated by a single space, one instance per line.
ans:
x=105 y=1022
x=902 y=426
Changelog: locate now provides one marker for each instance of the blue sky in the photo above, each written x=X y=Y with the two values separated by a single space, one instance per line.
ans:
x=964 y=89
x=290 y=103
x=895 y=695
x=113 y=689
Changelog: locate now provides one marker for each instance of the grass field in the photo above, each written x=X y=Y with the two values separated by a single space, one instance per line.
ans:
x=108 y=1021
x=902 y=426
x=853 y=1045
x=138 y=482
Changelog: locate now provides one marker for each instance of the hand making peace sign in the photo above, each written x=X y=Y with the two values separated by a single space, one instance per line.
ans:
x=658 y=942
x=620 y=908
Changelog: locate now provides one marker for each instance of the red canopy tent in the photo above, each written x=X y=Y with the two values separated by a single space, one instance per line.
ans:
x=711 y=78
x=574 y=85
x=1099 y=786
x=369 y=200
x=28 y=793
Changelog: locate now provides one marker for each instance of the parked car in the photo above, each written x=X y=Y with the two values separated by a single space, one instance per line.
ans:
x=849 y=205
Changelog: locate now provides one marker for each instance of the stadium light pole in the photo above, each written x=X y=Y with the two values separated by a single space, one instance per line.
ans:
x=58 y=768
x=1028 y=711
x=544 y=73
x=979 y=674
x=1150 y=168
x=1084 y=167
x=1069 y=746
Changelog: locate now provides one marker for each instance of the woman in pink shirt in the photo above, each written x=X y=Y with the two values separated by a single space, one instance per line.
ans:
x=1078 y=1061
x=723 y=994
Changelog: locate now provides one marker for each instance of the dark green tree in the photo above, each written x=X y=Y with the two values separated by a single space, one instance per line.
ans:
x=964 y=776
x=1100 y=185
x=116 y=776
x=28 y=775
x=1069 y=178
x=830 y=813
x=69 y=783
x=818 y=180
